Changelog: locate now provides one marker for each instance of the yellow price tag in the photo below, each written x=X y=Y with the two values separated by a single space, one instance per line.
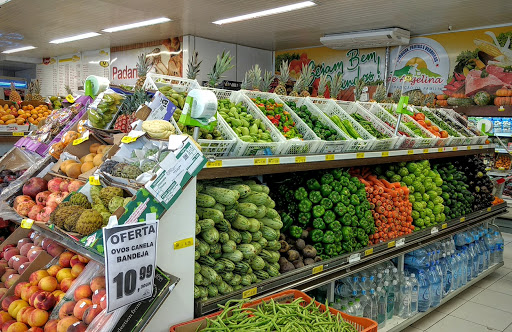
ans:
x=469 y=147
x=329 y=157
x=273 y=161
x=410 y=151
x=360 y=155
x=94 y=180
x=20 y=133
x=462 y=219
x=128 y=139
x=368 y=252
x=318 y=269
x=454 y=148
x=183 y=243
x=489 y=209
x=481 y=147
x=391 y=244
x=70 y=99
x=425 y=150
x=27 y=223
x=440 y=149
x=443 y=226
x=250 y=292
x=82 y=139
x=214 y=164
x=260 y=161
x=385 y=153
x=300 y=160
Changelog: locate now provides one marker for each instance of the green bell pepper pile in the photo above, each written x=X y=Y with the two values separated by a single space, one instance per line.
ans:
x=321 y=130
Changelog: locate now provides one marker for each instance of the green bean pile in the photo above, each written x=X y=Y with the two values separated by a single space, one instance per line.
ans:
x=273 y=316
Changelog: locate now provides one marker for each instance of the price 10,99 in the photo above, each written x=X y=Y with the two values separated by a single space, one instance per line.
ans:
x=126 y=282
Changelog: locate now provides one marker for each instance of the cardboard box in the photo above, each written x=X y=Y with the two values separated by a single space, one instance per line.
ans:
x=41 y=261
x=35 y=104
x=8 y=102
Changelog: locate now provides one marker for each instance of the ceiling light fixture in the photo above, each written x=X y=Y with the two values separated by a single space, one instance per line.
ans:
x=267 y=12
x=73 y=38
x=20 y=49
x=138 y=24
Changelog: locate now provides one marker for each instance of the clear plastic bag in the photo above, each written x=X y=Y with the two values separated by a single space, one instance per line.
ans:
x=102 y=114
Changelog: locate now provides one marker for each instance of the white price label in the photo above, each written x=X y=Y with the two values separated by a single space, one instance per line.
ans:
x=130 y=258
x=354 y=258
x=434 y=230
x=400 y=242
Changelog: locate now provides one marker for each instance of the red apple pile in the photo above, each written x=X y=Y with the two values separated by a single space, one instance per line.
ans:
x=41 y=197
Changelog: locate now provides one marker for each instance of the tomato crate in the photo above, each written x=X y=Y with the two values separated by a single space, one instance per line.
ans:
x=360 y=324
x=310 y=142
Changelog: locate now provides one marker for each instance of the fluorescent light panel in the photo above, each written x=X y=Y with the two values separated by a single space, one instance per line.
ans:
x=73 y=38
x=14 y=50
x=267 y=12
x=138 y=24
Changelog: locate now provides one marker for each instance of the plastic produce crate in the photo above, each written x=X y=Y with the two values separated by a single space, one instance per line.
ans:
x=445 y=115
x=310 y=143
x=379 y=144
x=477 y=137
x=360 y=323
x=154 y=81
x=455 y=141
x=331 y=108
x=242 y=148
x=328 y=146
x=440 y=141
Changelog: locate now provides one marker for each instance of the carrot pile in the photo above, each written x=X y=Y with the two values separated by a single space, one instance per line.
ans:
x=497 y=201
x=390 y=206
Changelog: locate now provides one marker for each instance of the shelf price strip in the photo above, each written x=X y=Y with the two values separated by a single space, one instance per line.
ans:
x=130 y=258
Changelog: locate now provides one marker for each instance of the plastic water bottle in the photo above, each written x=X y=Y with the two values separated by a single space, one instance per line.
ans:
x=344 y=309
x=470 y=266
x=447 y=279
x=351 y=310
x=489 y=241
x=453 y=263
x=405 y=295
x=499 y=247
x=366 y=303
x=439 y=271
x=435 y=287
x=375 y=304
x=464 y=267
x=381 y=307
x=424 y=291
x=390 y=292
x=485 y=245
x=358 y=308
x=414 y=295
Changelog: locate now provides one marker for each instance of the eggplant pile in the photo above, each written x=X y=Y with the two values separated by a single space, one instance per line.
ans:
x=479 y=182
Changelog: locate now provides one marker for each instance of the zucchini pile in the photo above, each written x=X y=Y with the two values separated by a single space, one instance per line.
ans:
x=237 y=237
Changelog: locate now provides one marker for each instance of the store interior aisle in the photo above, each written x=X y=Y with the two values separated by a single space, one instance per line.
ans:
x=486 y=306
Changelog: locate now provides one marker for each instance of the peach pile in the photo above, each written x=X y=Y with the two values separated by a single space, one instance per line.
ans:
x=30 y=307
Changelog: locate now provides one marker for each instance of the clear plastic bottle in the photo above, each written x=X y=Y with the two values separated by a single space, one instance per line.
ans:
x=435 y=287
x=499 y=247
x=381 y=307
x=366 y=303
x=375 y=304
x=414 y=295
x=405 y=294
x=424 y=291
x=351 y=310
x=491 y=244
x=454 y=264
x=358 y=308
x=447 y=275
x=462 y=257
x=344 y=309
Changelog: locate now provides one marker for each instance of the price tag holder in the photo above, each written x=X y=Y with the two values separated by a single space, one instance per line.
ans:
x=360 y=155
x=260 y=161
x=462 y=219
x=130 y=257
x=214 y=164
x=94 y=180
x=19 y=134
x=354 y=258
x=27 y=223
x=410 y=152
x=274 y=161
x=400 y=242
x=489 y=209
x=385 y=153
x=329 y=157
x=299 y=160
x=391 y=244
x=443 y=226
x=250 y=293
x=318 y=269
x=85 y=137
x=434 y=230
x=183 y=243
x=368 y=252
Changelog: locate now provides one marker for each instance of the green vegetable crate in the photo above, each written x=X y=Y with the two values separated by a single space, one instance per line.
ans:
x=360 y=324
x=179 y=84
x=310 y=142
x=355 y=109
x=456 y=137
x=327 y=146
x=245 y=148
x=476 y=137
x=363 y=140
x=426 y=138
x=409 y=139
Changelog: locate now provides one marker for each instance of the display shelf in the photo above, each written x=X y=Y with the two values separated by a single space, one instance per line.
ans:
x=488 y=110
x=313 y=276
x=500 y=150
x=398 y=324
x=246 y=166
x=502 y=134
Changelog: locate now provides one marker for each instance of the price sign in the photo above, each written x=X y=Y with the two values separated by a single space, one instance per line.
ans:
x=85 y=137
x=434 y=230
x=368 y=252
x=27 y=223
x=214 y=164
x=385 y=153
x=440 y=149
x=425 y=150
x=410 y=151
x=94 y=180
x=462 y=219
x=18 y=134
x=469 y=147
x=443 y=226
x=329 y=157
x=300 y=159
x=360 y=155
x=183 y=243
x=391 y=244
x=354 y=258
x=260 y=161
x=130 y=257
x=489 y=209
x=454 y=148
x=250 y=292
x=400 y=242
x=318 y=269
x=273 y=161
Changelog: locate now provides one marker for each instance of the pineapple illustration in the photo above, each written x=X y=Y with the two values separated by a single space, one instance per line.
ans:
x=297 y=87
x=380 y=93
x=256 y=82
x=14 y=96
x=322 y=85
x=336 y=85
x=143 y=66
x=284 y=75
x=267 y=80
x=193 y=67
x=307 y=71
x=222 y=65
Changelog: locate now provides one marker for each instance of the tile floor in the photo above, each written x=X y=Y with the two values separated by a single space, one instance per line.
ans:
x=486 y=306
